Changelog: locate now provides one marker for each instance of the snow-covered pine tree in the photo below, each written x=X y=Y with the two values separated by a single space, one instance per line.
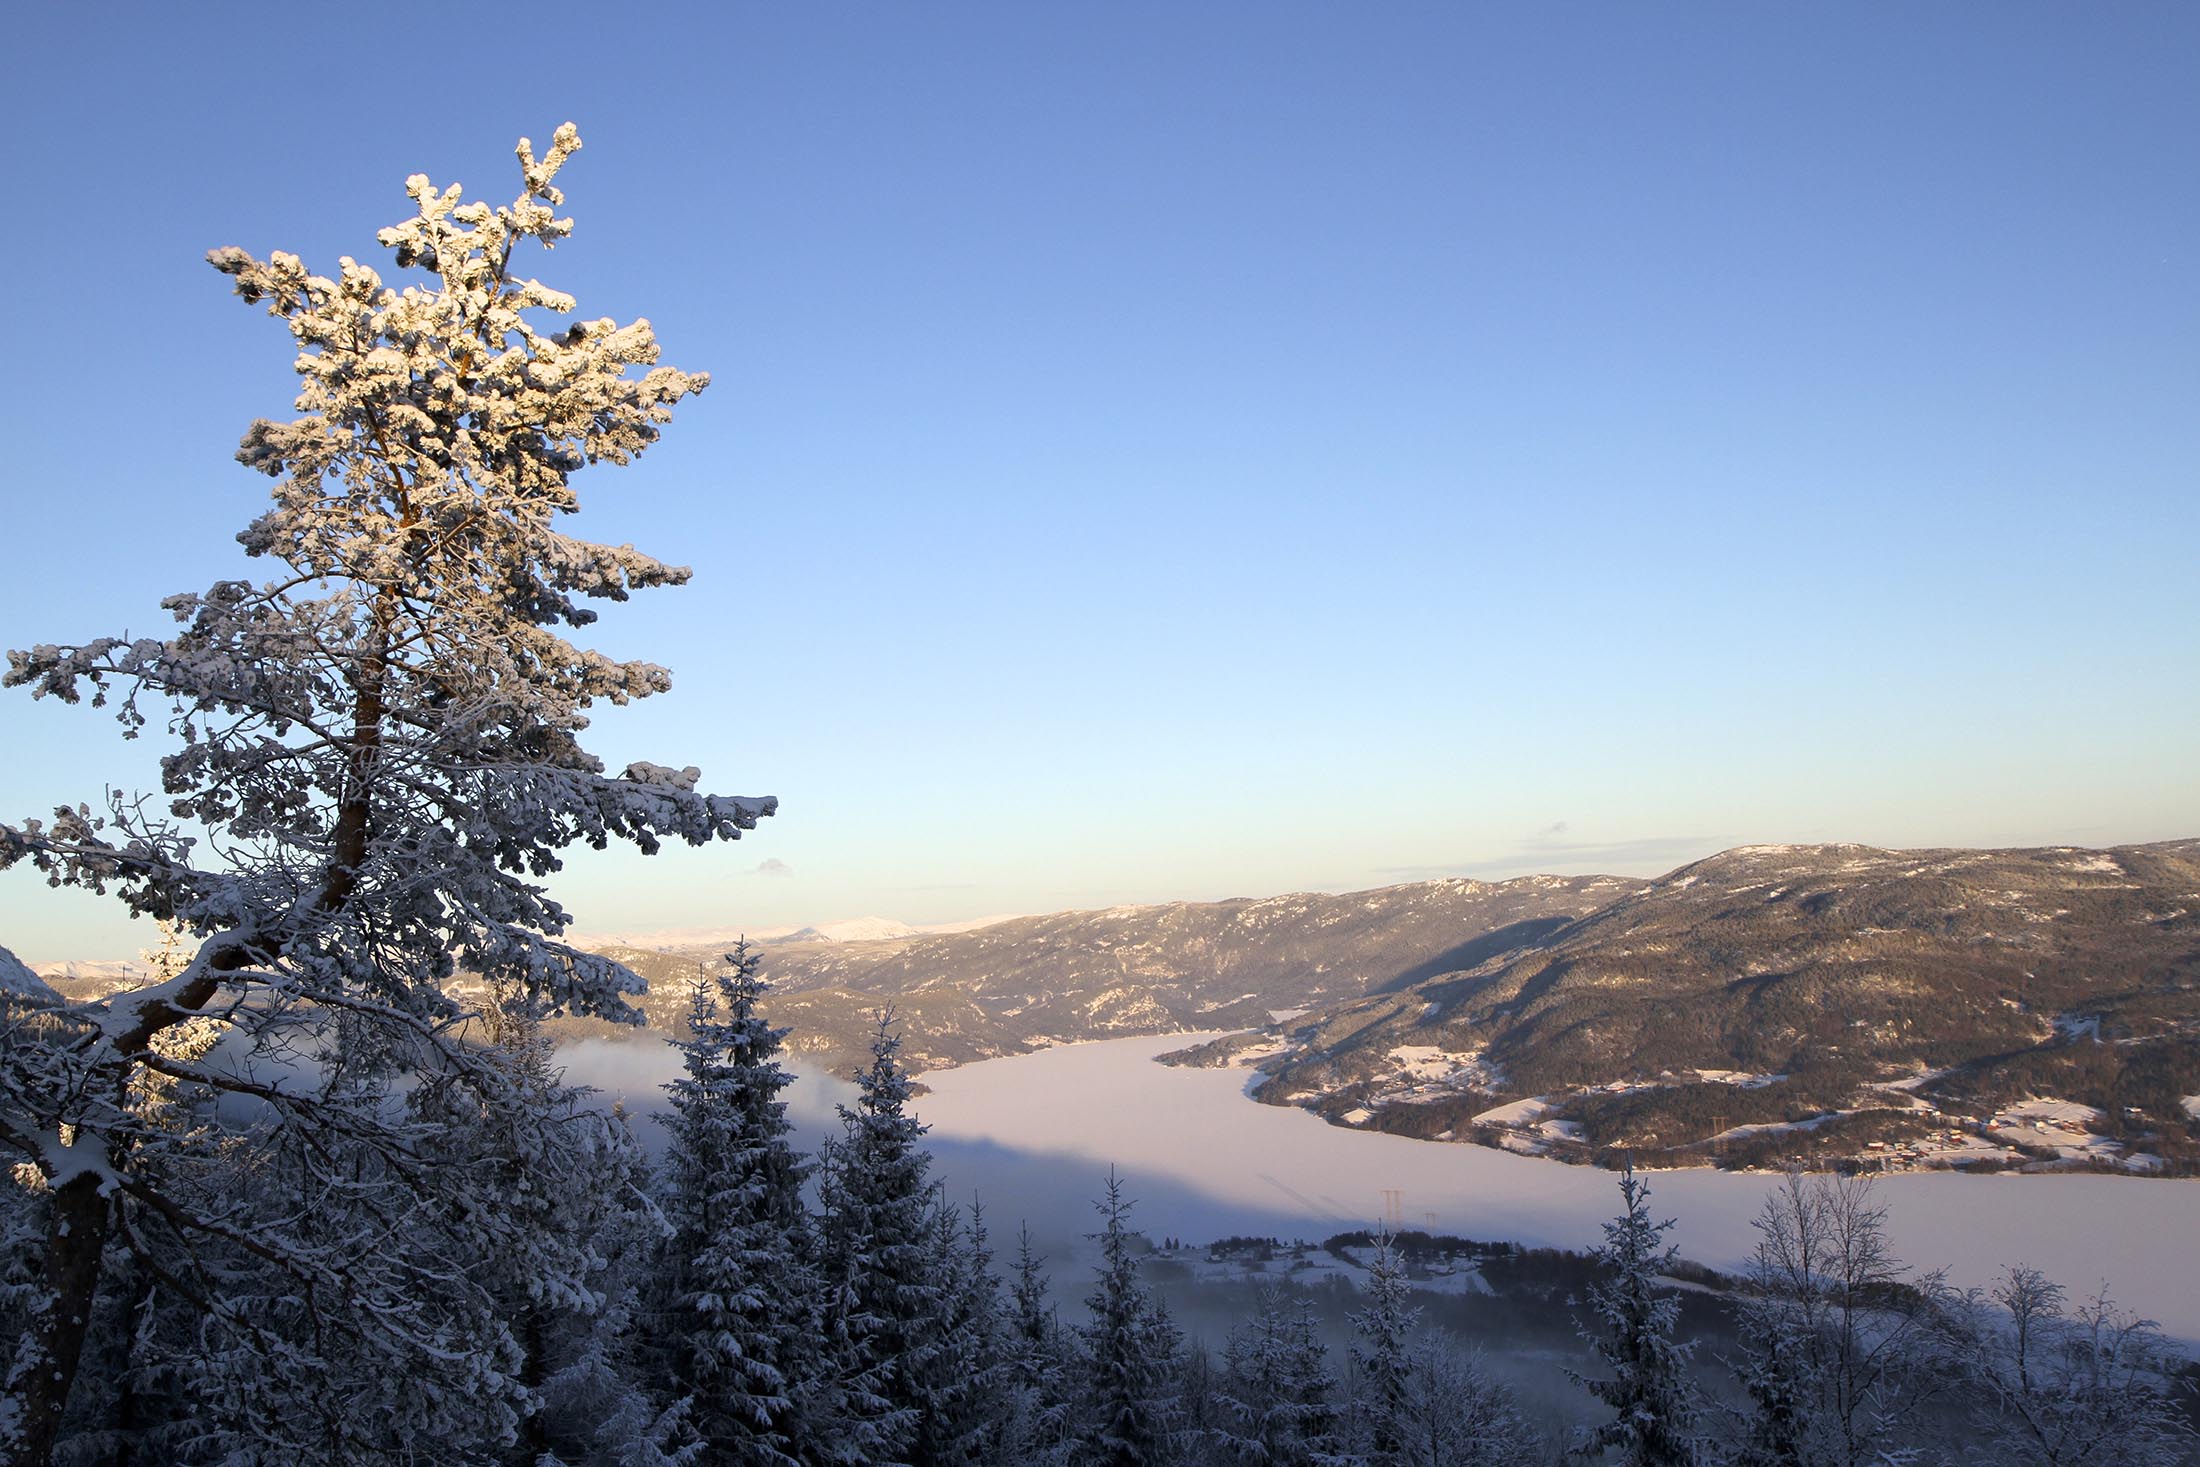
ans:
x=1276 y=1390
x=384 y=741
x=740 y=1304
x=884 y=1296
x=1383 y=1361
x=1653 y=1407
x=1132 y=1353
x=281 y=1367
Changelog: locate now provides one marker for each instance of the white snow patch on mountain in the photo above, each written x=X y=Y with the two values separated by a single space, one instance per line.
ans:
x=114 y=972
x=1741 y=1079
x=2074 y=1027
x=1516 y=1113
x=2063 y=1125
x=851 y=929
x=16 y=978
x=845 y=929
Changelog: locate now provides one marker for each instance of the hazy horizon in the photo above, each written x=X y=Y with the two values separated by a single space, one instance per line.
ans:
x=705 y=932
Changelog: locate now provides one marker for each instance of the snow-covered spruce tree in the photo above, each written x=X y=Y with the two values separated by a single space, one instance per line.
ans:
x=884 y=1296
x=1774 y=1371
x=597 y=1405
x=1132 y=1354
x=571 y=1176
x=1276 y=1389
x=1456 y=1415
x=737 y=1304
x=1041 y=1419
x=1383 y=1360
x=1653 y=1407
x=968 y=1387
x=383 y=742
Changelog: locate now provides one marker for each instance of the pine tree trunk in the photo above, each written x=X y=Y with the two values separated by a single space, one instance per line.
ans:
x=76 y=1243
x=46 y=1361
x=45 y=1366
x=534 y=1430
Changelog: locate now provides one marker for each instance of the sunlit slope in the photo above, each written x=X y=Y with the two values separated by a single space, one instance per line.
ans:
x=1032 y=981
x=1797 y=976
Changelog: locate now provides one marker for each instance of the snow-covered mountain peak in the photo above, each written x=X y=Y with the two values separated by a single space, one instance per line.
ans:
x=17 y=979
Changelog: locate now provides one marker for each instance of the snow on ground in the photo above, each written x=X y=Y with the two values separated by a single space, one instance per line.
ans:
x=1253 y=1054
x=2192 y=1106
x=2060 y=1124
x=2073 y=1027
x=1517 y=1113
x=1428 y=1072
x=1741 y=1079
x=1909 y=1082
x=1310 y=1266
x=1767 y=1128
x=1426 y=1062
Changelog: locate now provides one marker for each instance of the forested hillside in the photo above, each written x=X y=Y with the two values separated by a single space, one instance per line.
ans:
x=1032 y=981
x=1876 y=995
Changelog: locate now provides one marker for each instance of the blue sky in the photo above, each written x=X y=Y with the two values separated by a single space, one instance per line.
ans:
x=1167 y=451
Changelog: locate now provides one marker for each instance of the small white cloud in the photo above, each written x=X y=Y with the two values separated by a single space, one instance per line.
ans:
x=772 y=866
x=1547 y=852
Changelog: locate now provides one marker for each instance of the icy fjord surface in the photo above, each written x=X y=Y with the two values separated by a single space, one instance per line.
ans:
x=1034 y=1134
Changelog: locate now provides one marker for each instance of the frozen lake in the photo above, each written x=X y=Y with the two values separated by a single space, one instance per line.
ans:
x=1034 y=1135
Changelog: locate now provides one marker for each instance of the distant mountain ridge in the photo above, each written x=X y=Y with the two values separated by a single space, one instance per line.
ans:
x=17 y=980
x=1826 y=997
x=846 y=929
x=1981 y=1006
x=1028 y=982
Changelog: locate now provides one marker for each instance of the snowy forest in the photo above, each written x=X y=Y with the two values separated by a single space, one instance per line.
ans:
x=297 y=1201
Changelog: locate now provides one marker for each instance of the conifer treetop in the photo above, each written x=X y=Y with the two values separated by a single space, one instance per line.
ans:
x=396 y=714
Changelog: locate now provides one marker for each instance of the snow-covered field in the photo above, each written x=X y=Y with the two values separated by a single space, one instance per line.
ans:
x=1034 y=1135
